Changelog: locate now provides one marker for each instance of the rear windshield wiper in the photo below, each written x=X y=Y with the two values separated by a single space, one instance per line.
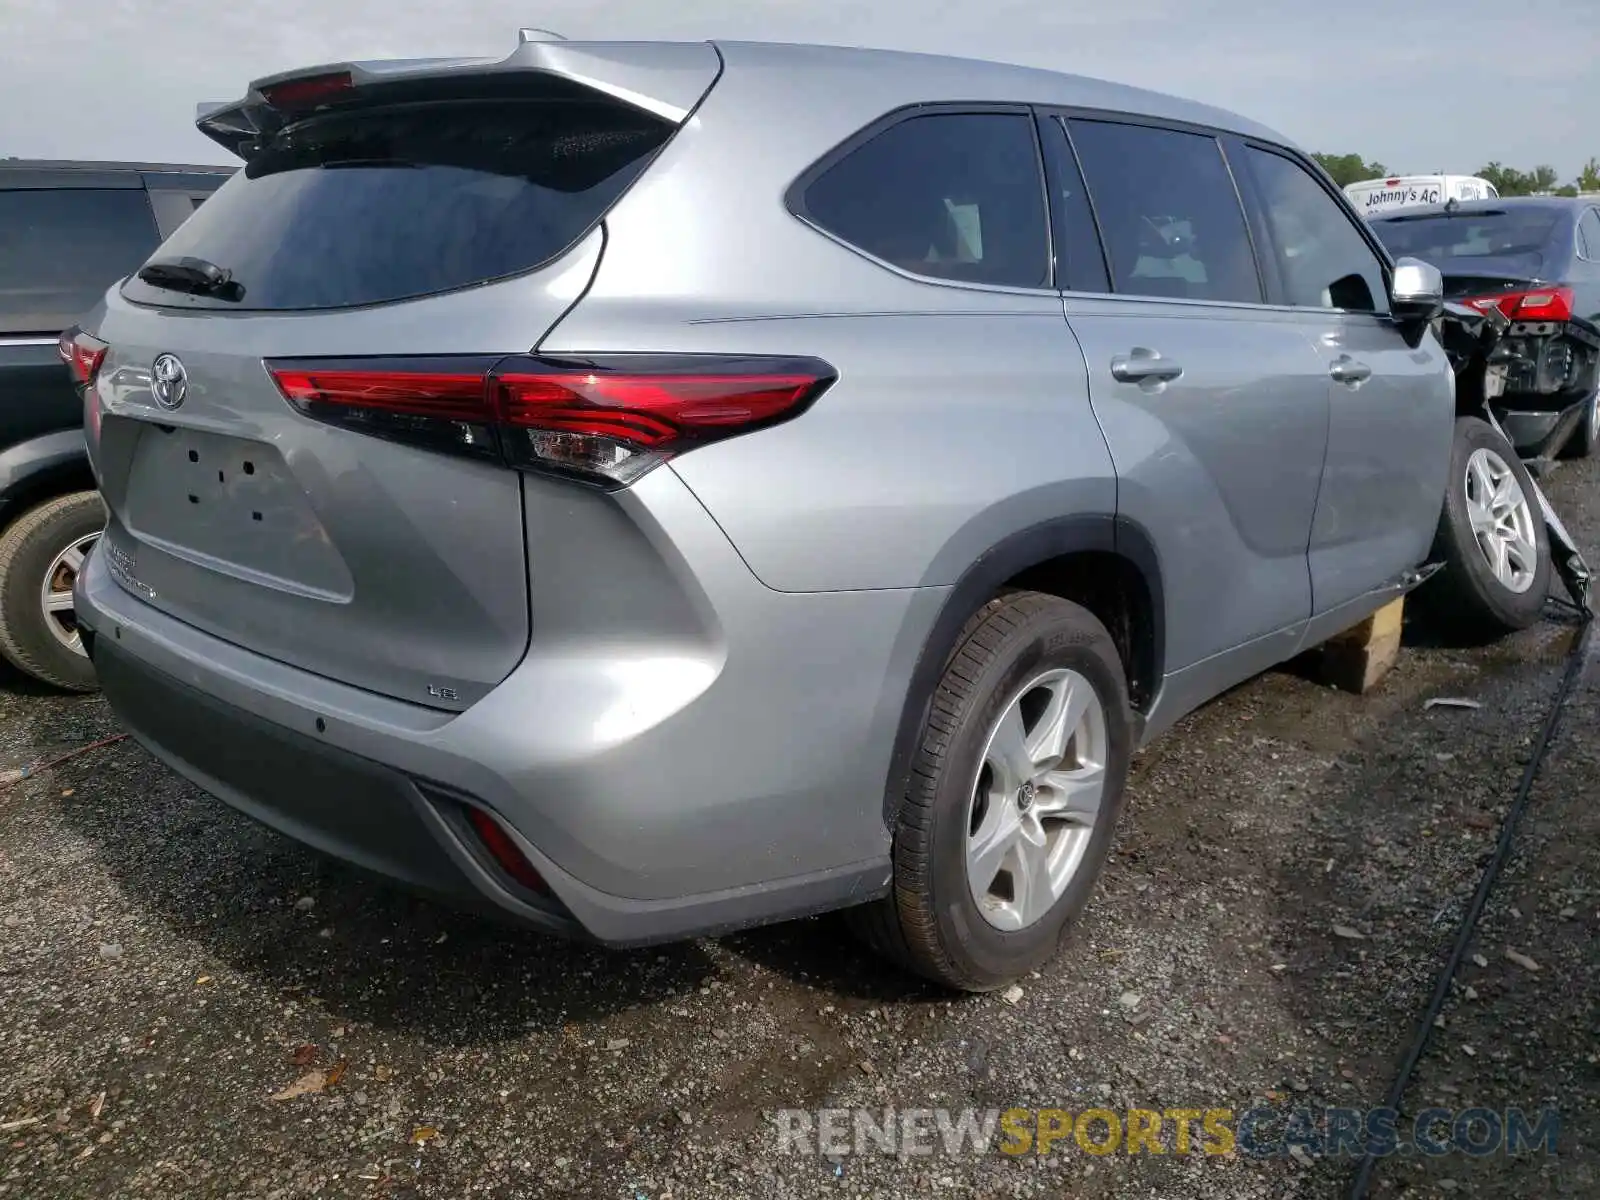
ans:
x=196 y=276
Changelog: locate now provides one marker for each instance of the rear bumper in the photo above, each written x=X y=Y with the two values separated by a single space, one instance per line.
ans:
x=339 y=803
x=718 y=797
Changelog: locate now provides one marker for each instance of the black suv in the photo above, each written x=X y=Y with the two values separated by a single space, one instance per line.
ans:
x=68 y=231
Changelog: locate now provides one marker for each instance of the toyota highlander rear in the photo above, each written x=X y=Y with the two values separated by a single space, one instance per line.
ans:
x=386 y=575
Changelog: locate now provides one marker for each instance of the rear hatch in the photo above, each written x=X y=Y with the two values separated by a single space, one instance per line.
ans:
x=436 y=215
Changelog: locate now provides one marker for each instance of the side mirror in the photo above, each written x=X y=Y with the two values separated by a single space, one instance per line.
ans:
x=1417 y=294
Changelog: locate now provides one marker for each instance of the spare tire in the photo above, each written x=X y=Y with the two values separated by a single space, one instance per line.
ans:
x=1491 y=539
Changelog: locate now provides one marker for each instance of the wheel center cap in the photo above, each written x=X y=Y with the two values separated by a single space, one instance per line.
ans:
x=1025 y=797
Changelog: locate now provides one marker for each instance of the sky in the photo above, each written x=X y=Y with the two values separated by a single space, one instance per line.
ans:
x=1431 y=85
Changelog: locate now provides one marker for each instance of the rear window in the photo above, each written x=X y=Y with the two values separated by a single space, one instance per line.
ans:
x=384 y=204
x=61 y=248
x=1456 y=240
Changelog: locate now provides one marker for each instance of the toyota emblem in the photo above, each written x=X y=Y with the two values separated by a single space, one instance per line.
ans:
x=169 y=382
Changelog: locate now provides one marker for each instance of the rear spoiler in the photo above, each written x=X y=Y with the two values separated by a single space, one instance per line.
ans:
x=664 y=79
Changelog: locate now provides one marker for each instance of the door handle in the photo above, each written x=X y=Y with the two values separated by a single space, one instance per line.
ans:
x=1144 y=366
x=1345 y=369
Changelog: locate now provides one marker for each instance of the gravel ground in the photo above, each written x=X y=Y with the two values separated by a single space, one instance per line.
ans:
x=1285 y=887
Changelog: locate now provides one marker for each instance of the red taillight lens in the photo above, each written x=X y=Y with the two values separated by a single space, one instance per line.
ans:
x=610 y=419
x=423 y=394
x=1539 y=304
x=504 y=851
x=83 y=355
x=439 y=404
x=620 y=423
x=308 y=92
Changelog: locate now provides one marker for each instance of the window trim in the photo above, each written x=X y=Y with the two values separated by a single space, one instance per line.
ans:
x=1341 y=201
x=164 y=203
x=794 y=195
x=1055 y=163
x=1581 y=243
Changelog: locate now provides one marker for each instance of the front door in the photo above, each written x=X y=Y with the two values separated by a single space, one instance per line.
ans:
x=1391 y=404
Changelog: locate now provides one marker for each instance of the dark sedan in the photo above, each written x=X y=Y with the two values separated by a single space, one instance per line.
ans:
x=1537 y=259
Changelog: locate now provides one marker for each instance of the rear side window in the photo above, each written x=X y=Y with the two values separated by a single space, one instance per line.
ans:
x=1169 y=212
x=1322 y=258
x=956 y=196
x=389 y=203
x=61 y=248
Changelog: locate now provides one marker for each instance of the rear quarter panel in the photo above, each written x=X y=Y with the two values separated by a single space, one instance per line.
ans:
x=944 y=434
x=961 y=413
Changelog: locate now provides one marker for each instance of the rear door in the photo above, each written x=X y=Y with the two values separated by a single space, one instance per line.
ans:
x=424 y=233
x=1391 y=404
x=60 y=249
x=1215 y=407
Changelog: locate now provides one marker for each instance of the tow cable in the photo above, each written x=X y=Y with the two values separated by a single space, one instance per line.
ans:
x=1574 y=573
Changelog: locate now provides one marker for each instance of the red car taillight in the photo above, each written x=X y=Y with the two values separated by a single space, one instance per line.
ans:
x=82 y=353
x=308 y=91
x=1537 y=304
x=609 y=419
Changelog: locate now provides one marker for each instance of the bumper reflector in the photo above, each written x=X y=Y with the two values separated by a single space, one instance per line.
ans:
x=503 y=849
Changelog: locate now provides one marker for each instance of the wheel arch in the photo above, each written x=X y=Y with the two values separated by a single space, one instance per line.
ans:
x=52 y=464
x=1108 y=564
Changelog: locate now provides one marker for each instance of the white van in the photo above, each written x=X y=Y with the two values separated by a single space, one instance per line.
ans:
x=1373 y=196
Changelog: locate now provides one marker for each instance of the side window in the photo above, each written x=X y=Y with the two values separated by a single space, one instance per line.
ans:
x=1169 y=212
x=1589 y=235
x=60 y=249
x=1080 y=264
x=1322 y=257
x=956 y=196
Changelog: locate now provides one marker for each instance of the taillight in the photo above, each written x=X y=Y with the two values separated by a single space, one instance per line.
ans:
x=606 y=419
x=82 y=353
x=307 y=92
x=1540 y=304
x=439 y=404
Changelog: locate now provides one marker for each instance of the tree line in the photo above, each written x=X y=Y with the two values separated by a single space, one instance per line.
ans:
x=1508 y=181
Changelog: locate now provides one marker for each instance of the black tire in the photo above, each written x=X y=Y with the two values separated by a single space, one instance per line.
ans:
x=1586 y=436
x=930 y=923
x=1465 y=599
x=27 y=550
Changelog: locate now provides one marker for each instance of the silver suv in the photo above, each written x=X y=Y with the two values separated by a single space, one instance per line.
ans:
x=651 y=489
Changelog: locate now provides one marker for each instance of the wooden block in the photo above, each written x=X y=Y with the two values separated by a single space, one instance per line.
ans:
x=1358 y=659
x=1381 y=625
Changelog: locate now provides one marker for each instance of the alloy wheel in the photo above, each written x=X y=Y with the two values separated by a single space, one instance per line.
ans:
x=1036 y=798
x=55 y=595
x=1502 y=520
